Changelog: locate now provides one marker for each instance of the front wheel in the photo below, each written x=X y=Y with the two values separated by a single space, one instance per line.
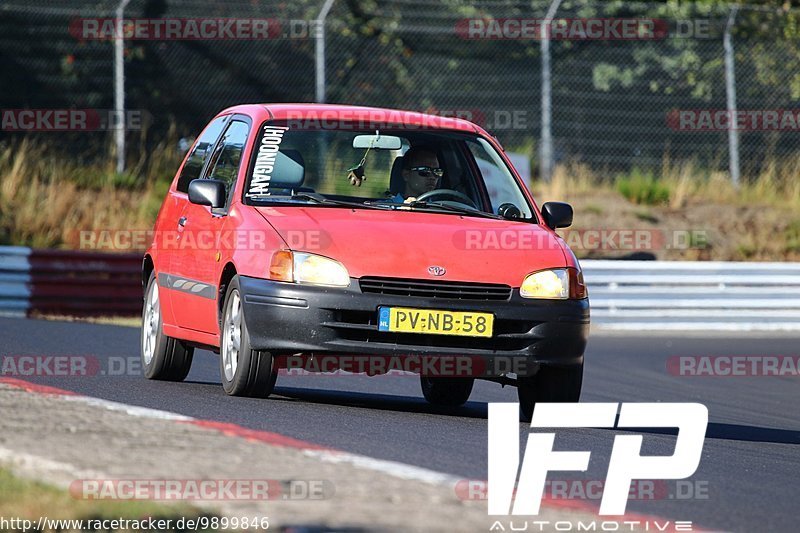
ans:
x=451 y=392
x=551 y=384
x=243 y=371
x=163 y=358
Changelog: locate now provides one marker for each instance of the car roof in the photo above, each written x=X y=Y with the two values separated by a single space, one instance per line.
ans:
x=362 y=114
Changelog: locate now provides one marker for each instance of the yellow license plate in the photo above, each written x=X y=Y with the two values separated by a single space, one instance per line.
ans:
x=431 y=321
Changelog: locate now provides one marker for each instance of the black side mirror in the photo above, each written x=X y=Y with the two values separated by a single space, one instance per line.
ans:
x=557 y=215
x=207 y=192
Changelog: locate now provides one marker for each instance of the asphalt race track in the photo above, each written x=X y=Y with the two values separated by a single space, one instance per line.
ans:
x=750 y=468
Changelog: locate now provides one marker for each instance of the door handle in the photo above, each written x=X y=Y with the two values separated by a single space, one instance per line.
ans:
x=182 y=221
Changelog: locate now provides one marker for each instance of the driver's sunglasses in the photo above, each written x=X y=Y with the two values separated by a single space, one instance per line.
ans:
x=428 y=171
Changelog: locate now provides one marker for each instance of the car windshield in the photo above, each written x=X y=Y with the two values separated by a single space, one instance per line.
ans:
x=450 y=172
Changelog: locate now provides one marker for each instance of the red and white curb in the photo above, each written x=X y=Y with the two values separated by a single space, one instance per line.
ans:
x=316 y=451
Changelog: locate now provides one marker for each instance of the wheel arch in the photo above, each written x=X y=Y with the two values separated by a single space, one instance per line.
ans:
x=147 y=268
x=228 y=272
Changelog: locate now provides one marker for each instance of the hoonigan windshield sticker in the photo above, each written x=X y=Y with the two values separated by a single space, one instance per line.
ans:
x=271 y=139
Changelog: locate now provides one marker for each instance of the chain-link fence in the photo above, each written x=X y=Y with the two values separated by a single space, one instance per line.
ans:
x=632 y=85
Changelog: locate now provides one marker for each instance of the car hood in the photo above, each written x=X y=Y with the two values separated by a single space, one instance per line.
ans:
x=405 y=244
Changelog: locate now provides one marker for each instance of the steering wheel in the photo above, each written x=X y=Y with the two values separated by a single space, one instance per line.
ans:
x=448 y=193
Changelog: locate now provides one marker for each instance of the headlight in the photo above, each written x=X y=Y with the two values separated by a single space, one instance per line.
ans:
x=550 y=284
x=299 y=267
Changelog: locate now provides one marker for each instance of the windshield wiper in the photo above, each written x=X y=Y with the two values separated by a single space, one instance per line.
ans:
x=313 y=196
x=320 y=199
x=453 y=209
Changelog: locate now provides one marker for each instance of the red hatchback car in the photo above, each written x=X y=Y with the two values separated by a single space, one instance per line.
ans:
x=325 y=231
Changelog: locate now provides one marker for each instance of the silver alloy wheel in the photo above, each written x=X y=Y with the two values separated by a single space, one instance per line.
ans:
x=150 y=325
x=232 y=335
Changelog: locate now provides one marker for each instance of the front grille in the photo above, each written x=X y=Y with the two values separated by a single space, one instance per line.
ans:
x=453 y=290
x=361 y=327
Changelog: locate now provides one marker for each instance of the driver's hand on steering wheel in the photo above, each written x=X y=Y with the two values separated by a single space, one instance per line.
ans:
x=410 y=199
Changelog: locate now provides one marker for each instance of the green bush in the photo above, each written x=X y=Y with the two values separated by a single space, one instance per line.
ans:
x=643 y=188
x=792 y=235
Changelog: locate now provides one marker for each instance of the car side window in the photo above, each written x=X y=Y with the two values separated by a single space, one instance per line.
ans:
x=501 y=186
x=202 y=149
x=228 y=156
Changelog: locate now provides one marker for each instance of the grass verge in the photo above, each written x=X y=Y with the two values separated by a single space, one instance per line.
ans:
x=29 y=500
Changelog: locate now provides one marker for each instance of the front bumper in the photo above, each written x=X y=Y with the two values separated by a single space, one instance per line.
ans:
x=287 y=318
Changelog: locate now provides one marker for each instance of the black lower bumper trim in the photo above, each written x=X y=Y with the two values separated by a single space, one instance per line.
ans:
x=287 y=318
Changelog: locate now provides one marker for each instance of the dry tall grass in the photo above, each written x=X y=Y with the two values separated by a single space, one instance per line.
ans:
x=759 y=220
x=45 y=199
x=778 y=184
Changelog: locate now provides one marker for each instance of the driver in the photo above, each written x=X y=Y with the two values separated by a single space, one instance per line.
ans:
x=421 y=172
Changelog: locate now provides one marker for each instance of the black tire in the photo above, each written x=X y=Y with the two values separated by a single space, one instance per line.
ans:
x=254 y=372
x=451 y=392
x=551 y=384
x=170 y=359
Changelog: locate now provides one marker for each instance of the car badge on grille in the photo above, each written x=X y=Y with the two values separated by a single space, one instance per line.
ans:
x=436 y=270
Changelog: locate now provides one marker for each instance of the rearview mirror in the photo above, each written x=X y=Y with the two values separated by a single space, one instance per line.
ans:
x=557 y=215
x=380 y=142
x=207 y=192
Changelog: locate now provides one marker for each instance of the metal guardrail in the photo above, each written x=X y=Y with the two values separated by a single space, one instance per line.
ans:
x=63 y=282
x=625 y=295
x=15 y=279
x=694 y=296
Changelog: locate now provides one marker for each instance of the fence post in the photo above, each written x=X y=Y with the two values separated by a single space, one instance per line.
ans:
x=730 y=93
x=320 y=50
x=321 y=83
x=546 y=143
x=119 y=87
